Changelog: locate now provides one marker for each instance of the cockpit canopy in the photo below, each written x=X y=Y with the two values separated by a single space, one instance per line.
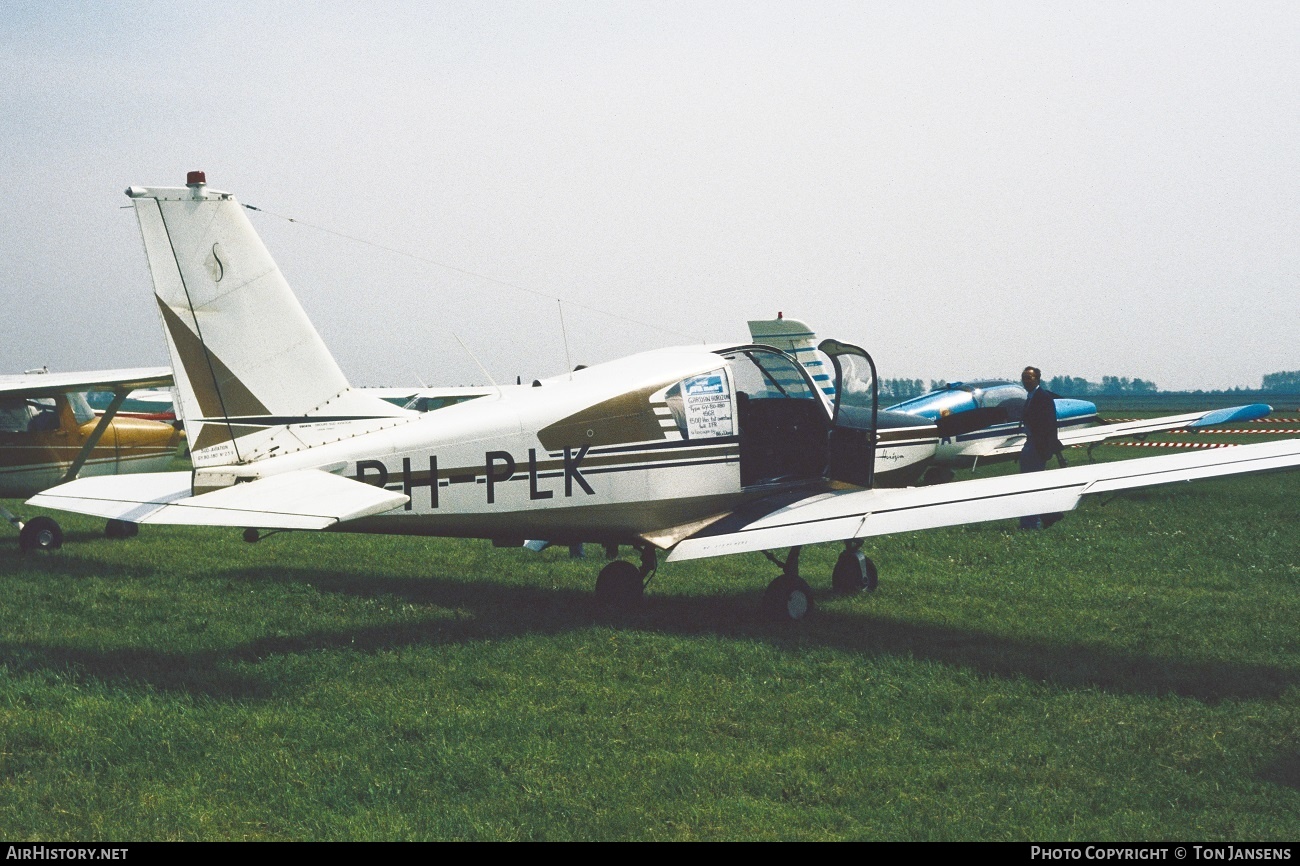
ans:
x=961 y=407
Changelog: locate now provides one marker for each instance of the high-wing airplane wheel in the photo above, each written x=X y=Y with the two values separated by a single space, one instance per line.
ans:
x=788 y=598
x=619 y=584
x=854 y=573
x=40 y=533
x=119 y=529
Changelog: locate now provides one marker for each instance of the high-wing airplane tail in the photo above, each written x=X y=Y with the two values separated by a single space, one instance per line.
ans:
x=246 y=358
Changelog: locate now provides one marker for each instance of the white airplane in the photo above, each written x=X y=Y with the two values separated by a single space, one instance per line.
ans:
x=698 y=451
x=49 y=434
x=974 y=422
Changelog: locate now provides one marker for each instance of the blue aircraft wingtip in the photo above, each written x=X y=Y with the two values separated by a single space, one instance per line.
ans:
x=1232 y=415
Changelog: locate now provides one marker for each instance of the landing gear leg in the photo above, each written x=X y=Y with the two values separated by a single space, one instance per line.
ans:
x=622 y=584
x=854 y=572
x=789 y=597
x=12 y=518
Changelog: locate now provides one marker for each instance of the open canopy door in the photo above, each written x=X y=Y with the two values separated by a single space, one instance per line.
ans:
x=855 y=420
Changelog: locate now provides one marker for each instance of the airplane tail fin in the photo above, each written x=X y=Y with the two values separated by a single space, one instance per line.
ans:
x=246 y=358
x=800 y=342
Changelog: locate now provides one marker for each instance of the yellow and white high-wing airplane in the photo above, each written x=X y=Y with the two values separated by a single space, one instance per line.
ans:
x=699 y=451
x=49 y=434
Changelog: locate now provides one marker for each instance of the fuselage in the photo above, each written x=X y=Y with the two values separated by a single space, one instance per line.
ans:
x=644 y=447
x=974 y=418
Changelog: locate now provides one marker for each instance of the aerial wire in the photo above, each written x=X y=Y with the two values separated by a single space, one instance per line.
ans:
x=469 y=273
x=477 y=361
x=564 y=333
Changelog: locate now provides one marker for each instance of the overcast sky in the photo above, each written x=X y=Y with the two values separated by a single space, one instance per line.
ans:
x=962 y=188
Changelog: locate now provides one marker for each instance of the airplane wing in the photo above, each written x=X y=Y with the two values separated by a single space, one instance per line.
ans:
x=1143 y=426
x=841 y=515
x=36 y=384
x=304 y=499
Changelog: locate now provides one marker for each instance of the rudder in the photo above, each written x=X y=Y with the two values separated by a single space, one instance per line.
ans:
x=244 y=354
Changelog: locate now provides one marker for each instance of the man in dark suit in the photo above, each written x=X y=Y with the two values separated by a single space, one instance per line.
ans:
x=1038 y=420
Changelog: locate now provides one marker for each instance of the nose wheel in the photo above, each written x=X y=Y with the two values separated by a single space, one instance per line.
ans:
x=621 y=584
x=788 y=598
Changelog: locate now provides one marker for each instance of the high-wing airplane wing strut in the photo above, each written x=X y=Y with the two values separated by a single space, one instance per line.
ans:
x=119 y=397
x=36 y=450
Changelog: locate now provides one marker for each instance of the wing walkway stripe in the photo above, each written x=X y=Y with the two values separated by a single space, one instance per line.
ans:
x=1052 y=488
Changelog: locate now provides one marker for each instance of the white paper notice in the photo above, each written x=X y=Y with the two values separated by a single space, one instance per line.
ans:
x=707 y=401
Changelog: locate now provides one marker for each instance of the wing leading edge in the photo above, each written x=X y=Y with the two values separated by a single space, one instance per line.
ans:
x=1143 y=426
x=841 y=515
x=39 y=384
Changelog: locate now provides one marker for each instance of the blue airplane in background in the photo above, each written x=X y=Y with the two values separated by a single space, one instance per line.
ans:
x=979 y=421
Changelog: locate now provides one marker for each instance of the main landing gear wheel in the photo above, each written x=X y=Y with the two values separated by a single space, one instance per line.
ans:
x=788 y=598
x=937 y=475
x=40 y=533
x=619 y=584
x=854 y=573
x=121 y=529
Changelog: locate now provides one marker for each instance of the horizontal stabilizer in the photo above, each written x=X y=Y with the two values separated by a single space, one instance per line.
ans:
x=305 y=499
x=841 y=515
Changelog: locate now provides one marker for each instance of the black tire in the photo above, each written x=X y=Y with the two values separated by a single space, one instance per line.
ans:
x=873 y=577
x=118 y=529
x=40 y=533
x=789 y=598
x=619 y=585
x=854 y=573
x=937 y=475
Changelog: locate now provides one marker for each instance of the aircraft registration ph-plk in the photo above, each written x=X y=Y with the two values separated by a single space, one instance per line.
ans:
x=49 y=434
x=699 y=451
x=965 y=423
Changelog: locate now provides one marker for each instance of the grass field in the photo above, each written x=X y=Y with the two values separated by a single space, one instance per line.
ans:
x=1131 y=674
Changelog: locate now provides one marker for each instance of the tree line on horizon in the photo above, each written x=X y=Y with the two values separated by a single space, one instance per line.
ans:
x=894 y=390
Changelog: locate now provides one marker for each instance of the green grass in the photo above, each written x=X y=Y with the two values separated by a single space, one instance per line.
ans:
x=1131 y=674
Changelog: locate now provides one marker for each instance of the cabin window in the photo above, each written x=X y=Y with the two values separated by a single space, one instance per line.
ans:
x=432 y=404
x=28 y=415
x=702 y=407
x=780 y=419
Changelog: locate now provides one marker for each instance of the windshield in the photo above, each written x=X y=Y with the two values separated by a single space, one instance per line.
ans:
x=768 y=375
x=80 y=408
